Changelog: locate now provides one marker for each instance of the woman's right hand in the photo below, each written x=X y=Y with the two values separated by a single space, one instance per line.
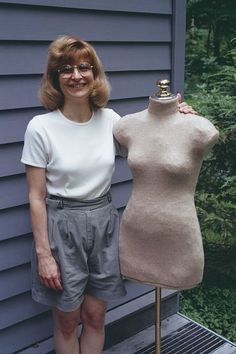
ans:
x=49 y=272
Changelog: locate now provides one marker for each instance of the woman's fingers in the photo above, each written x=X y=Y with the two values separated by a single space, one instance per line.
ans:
x=179 y=97
x=53 y=283
x=184 y=107
x=57 y=282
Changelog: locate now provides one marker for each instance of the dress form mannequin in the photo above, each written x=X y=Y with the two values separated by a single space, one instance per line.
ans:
x=160 y=238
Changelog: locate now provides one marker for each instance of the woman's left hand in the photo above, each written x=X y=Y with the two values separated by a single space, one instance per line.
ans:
x=183 y=106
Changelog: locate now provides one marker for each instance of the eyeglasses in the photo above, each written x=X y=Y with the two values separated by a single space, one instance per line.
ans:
x=67 y=70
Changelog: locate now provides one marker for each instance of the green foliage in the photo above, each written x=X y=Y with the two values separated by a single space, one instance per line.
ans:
x=204 y=69
x=213 y=307
x=211 y=90
x=223 y=80
x=218 y=18
x=216 y=189
x=213 y=302
x=220 y=108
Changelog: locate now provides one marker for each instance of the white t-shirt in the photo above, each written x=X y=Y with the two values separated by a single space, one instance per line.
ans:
x=78 y=157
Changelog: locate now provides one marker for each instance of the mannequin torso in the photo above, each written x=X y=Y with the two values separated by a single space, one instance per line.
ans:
x=160 y=238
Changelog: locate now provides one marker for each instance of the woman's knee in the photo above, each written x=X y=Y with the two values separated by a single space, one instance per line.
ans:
x=94 y=319
x=66 y=323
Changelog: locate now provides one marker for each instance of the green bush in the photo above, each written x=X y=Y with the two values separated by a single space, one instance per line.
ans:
x=216 y=189
x=211 y=90
x=213 y=307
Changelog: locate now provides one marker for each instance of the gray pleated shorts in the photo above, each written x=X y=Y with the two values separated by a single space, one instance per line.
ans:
x=83 y=237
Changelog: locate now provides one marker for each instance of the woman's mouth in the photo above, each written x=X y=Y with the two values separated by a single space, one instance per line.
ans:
x=77 y=86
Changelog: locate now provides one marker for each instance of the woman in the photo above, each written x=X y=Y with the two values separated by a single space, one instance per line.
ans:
x=69 y=155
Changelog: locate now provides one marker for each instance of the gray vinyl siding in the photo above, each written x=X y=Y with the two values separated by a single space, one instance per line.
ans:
x=139 y=42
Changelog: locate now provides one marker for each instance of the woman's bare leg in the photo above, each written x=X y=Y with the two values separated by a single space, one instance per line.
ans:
x=93 y=318
x=65 y=331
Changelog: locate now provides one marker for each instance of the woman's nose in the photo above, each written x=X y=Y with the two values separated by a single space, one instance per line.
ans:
x=76 y=73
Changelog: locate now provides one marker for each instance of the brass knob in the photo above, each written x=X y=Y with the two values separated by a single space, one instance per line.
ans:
x=163 y=85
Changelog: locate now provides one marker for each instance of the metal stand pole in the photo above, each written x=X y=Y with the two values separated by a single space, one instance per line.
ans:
x=158 y=321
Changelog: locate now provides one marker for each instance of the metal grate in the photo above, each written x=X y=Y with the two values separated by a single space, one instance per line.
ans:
x=189 y=339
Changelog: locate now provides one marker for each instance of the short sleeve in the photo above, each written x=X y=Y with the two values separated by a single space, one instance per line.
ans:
x=116 y=117
x=35 y=149
x=120 y=150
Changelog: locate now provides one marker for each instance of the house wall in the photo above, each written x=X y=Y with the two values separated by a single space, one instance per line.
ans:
x=138 y=42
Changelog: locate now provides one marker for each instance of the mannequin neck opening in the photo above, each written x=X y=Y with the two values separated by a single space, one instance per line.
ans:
x=163 y=106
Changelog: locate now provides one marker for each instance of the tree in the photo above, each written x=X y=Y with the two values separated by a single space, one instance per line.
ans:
x=219 y=18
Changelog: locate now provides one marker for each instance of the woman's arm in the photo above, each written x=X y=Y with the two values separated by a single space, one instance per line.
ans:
x=48 y=269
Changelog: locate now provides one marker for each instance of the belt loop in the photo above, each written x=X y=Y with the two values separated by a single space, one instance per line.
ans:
x=109 y=197
x=60 y=204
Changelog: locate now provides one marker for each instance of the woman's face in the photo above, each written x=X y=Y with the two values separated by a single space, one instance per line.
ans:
x=76 y=81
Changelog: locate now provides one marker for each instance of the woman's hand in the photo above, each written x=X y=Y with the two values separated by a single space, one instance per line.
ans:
x=183 y=107
x=49 y=272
